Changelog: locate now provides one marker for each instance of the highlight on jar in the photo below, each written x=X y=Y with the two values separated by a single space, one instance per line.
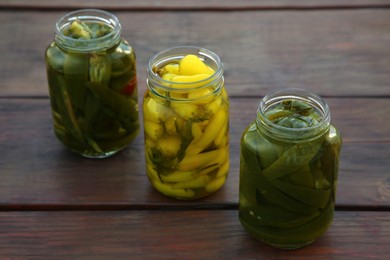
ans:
x=186 y=123
x=91 y=72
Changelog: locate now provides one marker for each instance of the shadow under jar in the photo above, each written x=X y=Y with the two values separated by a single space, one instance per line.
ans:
x=186 y=123
x=288 y=170
x=91 y=72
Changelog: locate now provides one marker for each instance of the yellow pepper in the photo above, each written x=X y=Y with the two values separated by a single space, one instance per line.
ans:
x=185 y=110
x=169 y=191
x=208 y=169
x=217 y=122
x=223 y=170
x=192 y=65
x=197 y=183
x=154 y=111
x=215 y=105
x=215 y=184
x=196 y=131
x=197 y=161
x=169 y=76
x=178 y=176
x=153 y=130
x=169 y=145
x=172 y=123
x=172 y=68
x=152 y=173
x=192 y=81
x=201 y=96
x=220 y=137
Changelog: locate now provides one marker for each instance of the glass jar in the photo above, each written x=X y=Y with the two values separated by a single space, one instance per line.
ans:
x=91 y=72
x=186 y=124
x=288 y=170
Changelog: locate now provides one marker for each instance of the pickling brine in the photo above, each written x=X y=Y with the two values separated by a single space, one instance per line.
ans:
x=186 y=123
x=91 y=74
x=288 y=170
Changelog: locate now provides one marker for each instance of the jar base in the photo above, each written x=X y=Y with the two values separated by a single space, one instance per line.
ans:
x=98 y=156
x=92 y=154
x=290 y=246
x=285 y=246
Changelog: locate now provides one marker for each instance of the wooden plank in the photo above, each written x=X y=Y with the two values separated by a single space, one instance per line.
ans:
x=37 y=171
x=339 y=53
x=199 y=4
x=206 y=234
x=358 y=119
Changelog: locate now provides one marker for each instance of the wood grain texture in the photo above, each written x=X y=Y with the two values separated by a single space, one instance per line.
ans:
x=333 y=53
x=198 y=4
x=57 y=205
x=177 y=235
x=36 y=170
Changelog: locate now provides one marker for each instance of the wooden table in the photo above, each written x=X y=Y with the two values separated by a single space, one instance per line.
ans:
x=56 y=204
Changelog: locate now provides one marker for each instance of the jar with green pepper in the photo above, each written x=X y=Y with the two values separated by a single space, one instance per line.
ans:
x=91 y=72
x=288 y=170
x=186 y=123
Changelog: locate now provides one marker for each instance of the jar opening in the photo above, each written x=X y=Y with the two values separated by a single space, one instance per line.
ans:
x=88 y=16
x=278 y=118
x=160 y=86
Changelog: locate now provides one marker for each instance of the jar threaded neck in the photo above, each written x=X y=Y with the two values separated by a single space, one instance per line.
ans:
x=87 y=45
x=162 y=88
x=283 y=133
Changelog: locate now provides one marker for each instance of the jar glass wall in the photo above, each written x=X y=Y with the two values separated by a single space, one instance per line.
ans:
x=288 y=170
x=186 y=123
x=91 y=72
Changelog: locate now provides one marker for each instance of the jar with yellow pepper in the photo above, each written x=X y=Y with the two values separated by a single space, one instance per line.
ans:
x=186 y=119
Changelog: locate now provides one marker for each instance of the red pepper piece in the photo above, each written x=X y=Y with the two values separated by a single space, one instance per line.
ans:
x=129 y=88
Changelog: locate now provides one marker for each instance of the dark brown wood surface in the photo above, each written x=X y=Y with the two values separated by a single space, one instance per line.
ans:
x=37 y=170
x=333 y=53
x=184 y=234
x=146 y=5
x=55 y=204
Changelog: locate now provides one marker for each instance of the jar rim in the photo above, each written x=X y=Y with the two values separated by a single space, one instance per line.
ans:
x=311 y=98
x=176 y=53
x=86 y=45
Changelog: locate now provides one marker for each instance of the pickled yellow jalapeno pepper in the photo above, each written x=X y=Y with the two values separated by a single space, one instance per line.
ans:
x=186 y=119
x=288 y=170
x=92 y=82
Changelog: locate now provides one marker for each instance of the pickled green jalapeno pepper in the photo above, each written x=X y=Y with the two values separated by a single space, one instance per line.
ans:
x=186 y=120
x=92 y=82
x=288 y=170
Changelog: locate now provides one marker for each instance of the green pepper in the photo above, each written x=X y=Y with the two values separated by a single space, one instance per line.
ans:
x=76 y=75
x=295 y=157
x=100 y=69
x=119 y=104
x=269 y=192
x=86 y=31
x=311 y=197
x=122 y=70
x=293 y=114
